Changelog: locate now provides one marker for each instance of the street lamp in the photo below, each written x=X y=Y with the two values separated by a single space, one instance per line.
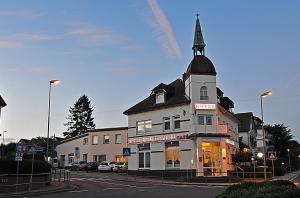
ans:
x=288 y=150
x=2 y=147
x=49 y=104
x=264 y=95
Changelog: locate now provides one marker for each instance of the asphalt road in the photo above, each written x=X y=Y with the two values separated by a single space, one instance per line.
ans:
x=102 y=185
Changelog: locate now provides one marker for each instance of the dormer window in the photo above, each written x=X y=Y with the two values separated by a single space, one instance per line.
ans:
x=203 y=93
x=160 y=97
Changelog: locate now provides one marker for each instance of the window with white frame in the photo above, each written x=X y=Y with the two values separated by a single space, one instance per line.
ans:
x=95 y=139
x=160 y=97
x=203 y=93
x=144 y=126
x=118 y=139
x=84 y=157
x=85 y=141
x=205 y=119
x=172 y=154
x=176 y=122
x=167 y=123
x=144 y=157
x=105 y=139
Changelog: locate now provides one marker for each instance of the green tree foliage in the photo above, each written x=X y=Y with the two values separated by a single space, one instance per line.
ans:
x=80 y=119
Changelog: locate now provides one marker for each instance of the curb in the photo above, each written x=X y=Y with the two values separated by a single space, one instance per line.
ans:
x=40 y=192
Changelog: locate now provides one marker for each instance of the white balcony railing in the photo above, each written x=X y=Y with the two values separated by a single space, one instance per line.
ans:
x=209 y=128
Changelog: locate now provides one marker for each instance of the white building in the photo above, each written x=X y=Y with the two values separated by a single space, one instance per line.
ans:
x=94 y=146
x=2 y=104
x=185 y=125
x=247 y=129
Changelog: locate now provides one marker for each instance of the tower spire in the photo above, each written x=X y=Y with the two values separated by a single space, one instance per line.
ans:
x=198 y=44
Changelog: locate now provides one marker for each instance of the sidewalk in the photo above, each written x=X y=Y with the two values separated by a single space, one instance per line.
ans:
x=55 y=187
x=290 y=176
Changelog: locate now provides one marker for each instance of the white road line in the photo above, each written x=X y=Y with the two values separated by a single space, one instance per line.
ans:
x=116 y=184
x=78 y=191
x=112 y=189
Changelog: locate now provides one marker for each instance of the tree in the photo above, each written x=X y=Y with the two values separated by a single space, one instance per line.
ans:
x=80 y=119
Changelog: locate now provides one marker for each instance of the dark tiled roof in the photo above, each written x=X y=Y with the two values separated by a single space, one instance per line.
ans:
x=245 y=120
x=200 y=65
x=175 y=95
x=2 y=102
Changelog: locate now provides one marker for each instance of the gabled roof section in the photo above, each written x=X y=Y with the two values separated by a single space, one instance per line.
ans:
x=175 y=96
x=245 y=121
x=2 y=102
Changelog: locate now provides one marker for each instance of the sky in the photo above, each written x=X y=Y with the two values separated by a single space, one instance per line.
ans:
x=115 y=52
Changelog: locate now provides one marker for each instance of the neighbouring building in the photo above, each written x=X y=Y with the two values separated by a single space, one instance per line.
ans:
x=247 y=129
x=2 y=104
x=187 y=125
x=94 y=146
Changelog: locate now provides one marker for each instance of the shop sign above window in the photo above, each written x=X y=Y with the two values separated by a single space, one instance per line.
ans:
x=205 y=106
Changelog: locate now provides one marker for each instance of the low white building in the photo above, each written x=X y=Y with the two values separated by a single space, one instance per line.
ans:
x=94 y=146
x=185 y=125
x=248 y=129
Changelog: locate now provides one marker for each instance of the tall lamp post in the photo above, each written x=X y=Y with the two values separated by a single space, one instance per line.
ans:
x=49 y=104
x=288 y=150
x=264 y=95
x=2 y=147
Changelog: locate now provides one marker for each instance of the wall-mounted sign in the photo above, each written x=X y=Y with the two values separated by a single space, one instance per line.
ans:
x=205 y=106
x=229 y=141
x=157 y=138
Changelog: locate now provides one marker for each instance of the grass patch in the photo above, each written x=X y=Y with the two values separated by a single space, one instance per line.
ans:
x=269 y=189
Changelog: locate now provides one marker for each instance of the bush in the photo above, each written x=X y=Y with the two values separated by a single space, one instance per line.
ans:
x=271 y=189
x=10 y=166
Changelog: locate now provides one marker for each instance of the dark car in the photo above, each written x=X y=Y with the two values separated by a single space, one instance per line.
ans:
x=92 y=166
x=78 y=166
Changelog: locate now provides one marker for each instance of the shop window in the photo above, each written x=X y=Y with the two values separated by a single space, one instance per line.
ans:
x=203 y=93
x=118 y=139
x=176 y=122
x=167 y=124
x=172 y=155
x=85 y=141
x=205 y=119
x=95 y=139
x=211 y=158
x=105 y=139
x=144 y=126
x=144 y=156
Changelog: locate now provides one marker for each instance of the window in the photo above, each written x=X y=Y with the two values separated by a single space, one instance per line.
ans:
x=84 y=157
x=118 y=139
x=85 y=141
x=172 y=155
x=160 y=97
x=105 y=139
x=203 y=93
x=167 y=123
x=95 y=139
x=70 y=158
x=176 y=122
x=144 y=156
x=205 y=119
x=99 y=158
x=144 y=126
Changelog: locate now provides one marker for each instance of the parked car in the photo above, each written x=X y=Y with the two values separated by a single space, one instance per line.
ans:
x=92 y=166
x=104 y=166
x=78 y=166
x=112 y=165
x=120 y=167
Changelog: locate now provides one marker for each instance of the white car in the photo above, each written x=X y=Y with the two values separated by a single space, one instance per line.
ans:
x=104 y=166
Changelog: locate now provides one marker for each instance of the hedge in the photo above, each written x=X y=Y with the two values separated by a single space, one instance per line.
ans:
x=271 y=189
x=10 y=166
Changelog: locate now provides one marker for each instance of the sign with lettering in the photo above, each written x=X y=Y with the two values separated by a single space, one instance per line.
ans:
x=157 y=138
x=205 y=106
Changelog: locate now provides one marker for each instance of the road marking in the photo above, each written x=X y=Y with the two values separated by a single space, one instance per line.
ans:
x=116 y=184
x=78 y=191
x=112 y=189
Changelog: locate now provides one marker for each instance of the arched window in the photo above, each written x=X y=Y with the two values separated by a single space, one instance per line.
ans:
x=203 y=93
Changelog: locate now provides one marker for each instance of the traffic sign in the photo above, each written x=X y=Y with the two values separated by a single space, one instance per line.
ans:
x=126 y=151
x=36 y=149
x=272 y=155
x=19 y=157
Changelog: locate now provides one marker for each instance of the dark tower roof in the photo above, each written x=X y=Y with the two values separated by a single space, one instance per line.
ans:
x=198 y=44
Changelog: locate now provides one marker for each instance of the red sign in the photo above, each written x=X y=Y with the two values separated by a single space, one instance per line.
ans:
x=272 y=155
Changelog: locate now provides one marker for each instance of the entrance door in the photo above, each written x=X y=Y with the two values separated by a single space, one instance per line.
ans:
x=212 y=159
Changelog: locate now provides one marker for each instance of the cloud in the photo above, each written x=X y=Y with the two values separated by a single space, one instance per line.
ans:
x=94 y=36
x=164 y=30
x=27 y=14
x=34 y=37
x=10 y=44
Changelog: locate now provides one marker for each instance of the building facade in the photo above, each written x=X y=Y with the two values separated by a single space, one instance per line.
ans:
x=2 y=104
x=248 y=130
x=185 y=125
x=94 y=146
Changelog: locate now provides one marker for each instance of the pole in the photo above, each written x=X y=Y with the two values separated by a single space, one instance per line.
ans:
x=264 y=141
x=289 y=161
x=18 y=165
x=2 y=146
x=254 y=170
x=273 y=168
x=32 y=164
x=48 y=127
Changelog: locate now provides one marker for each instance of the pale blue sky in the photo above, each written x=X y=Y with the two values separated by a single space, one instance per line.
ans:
x=117 y=51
